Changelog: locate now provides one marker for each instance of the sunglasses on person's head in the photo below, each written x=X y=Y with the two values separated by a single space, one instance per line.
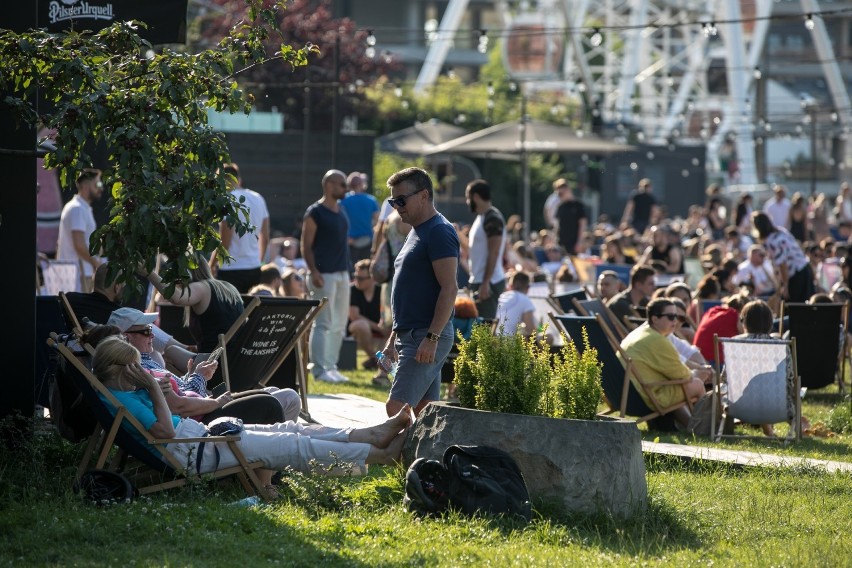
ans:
x=400 y=201
x=147 y=331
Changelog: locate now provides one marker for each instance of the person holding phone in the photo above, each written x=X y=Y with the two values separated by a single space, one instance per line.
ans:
x=260 y=406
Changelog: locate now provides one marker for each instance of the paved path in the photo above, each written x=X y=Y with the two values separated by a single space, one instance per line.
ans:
x=352 y=410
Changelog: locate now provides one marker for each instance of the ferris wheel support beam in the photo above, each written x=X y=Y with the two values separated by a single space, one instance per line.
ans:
x=830 y=68
x=630 y=63
x=437 y=53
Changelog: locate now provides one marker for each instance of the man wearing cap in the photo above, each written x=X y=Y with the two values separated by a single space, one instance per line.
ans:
x=77 y=222
x=132 y=319
x=757 y=271
x=778 y=206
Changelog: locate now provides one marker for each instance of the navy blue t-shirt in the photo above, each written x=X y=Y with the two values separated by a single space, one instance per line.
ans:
x=415 y=287
x=331 y=242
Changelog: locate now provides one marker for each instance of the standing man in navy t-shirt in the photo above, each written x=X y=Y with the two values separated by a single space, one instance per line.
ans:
x=325 y=249
x=424 y=293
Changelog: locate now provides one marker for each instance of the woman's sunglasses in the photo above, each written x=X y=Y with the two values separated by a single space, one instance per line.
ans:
x=398 y=202
x=147 y=332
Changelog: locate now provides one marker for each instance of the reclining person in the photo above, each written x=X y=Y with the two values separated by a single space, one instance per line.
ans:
x=256 y=407
x=117 y=365
x=137 y=327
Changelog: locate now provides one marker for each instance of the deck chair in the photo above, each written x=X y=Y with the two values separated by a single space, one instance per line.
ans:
x=703 y=306
x=620 y=393
x=564 y=301
x=255 y=346
x=71 y=320
x=762 y=384
x=623 y=271
x=136 y=448
x=596 y=306
x=693 y=269
x=820 y=332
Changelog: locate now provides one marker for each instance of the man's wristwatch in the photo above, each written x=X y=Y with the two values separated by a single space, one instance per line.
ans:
x=433 y=337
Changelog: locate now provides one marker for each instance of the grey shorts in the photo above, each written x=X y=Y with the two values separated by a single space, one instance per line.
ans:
x=415 y=381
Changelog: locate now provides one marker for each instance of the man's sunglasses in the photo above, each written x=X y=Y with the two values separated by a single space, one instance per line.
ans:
x=147 y=332
x=673 y=317
x=400 y=201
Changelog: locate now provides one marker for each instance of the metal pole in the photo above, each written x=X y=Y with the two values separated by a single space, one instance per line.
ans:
x=335 y=105
x=525 y=170
x=812 y=110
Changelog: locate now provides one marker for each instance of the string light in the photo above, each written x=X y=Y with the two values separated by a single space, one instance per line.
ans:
x=597 y=38
x=397 y=90
x=482 y=46
x=809 y=22
x=757 y=73
x=370 y=52
x=709 y=29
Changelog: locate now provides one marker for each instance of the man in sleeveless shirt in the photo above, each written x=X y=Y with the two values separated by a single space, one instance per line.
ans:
x=487 y=241
x=325 y=248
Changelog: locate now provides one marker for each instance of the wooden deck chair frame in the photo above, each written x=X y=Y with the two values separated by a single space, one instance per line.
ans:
x=656 y=409
x=840 y=369
x=71 y=318
x=164 y=468
x=231 y=358
x=796 y=423
x=612 y=322
x=559 y=306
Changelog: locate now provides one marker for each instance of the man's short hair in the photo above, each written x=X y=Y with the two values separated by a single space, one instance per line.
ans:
x=560 y=183
x=481 y=188
x=363 y=264
x=269 y=273
x=657 y=305
x=640 y=272
x=417 y=177
x=87 y=174
x=757 y=317
x=231 y=169
x=352 y=177
x=519 y=280
x=644 y=183
x=99 y=281
x=608 y=274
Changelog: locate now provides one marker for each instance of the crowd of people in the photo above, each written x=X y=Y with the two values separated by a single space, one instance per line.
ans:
x=745 y=258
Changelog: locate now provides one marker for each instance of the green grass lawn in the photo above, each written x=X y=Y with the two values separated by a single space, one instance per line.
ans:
x=698 y=514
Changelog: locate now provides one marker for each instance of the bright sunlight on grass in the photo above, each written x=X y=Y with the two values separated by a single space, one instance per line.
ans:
x=699 y=514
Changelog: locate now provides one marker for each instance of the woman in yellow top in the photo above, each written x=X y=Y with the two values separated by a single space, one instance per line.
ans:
x=656 y=359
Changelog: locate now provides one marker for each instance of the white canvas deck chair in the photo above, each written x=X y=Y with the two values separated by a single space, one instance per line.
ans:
x=760 y=384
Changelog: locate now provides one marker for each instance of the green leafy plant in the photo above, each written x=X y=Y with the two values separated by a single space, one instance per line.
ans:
x=839 y=419
x=578 y=380
x=149 y=110
x=508 y=373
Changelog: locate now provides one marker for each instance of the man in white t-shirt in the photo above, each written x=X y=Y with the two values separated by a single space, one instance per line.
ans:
x=515 y=311
x=778 y=206
x=77 y=222
x=247 y=251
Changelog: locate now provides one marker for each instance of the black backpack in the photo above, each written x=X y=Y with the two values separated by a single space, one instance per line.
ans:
x=472 y=480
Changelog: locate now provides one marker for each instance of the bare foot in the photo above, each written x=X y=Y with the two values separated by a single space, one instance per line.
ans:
x=382 y=435
x=393 y=453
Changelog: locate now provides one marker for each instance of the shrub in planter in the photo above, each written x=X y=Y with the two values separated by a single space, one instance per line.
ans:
x=578 y=380
x=516 y=375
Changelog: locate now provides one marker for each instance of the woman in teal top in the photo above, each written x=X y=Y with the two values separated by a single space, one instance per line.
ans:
x=286 y=444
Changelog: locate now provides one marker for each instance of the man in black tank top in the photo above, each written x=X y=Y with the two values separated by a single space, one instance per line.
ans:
x=325 y=248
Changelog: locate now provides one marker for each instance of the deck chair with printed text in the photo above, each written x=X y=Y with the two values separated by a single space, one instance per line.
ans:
x=120 y=438
x=620 y=393
x=256 y=345
x=759 y=385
